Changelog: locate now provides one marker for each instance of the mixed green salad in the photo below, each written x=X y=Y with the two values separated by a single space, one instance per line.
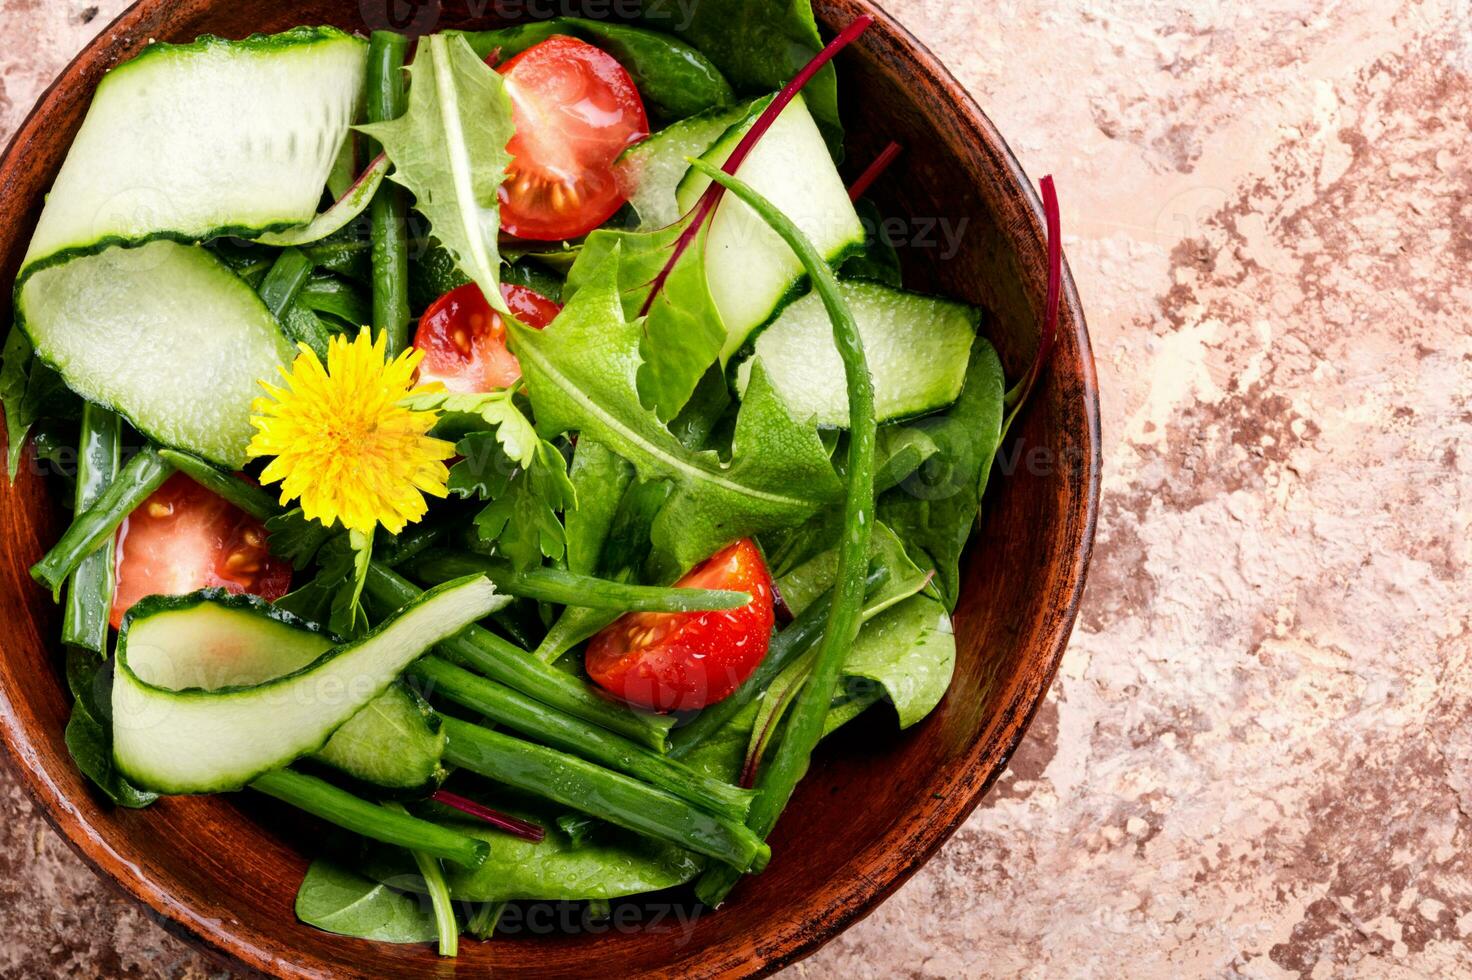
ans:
x=517 y=454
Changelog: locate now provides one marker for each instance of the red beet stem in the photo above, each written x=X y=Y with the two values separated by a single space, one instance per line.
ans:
x=874 y=171
x=501 y=821
x=780 y=101
x=1049 y=331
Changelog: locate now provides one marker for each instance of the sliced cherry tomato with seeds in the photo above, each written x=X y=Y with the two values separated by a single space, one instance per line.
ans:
x=464 y=340
x=184 y=538
x=684 y=661
x=576 y=109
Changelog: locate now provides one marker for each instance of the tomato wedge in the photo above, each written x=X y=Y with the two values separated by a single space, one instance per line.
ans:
x=576 y=110
x=684 y=661
x=185 y=538
x=464 y=340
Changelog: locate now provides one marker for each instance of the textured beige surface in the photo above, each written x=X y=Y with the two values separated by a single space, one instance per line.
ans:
x=1257 y=760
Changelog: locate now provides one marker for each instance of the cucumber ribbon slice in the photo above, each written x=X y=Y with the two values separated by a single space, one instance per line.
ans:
x=203 y=703
x=183 y=144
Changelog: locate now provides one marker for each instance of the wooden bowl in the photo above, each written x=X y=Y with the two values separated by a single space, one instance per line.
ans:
x=222 y=871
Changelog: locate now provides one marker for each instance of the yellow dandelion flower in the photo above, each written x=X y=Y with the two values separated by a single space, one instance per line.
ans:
x=343 y=444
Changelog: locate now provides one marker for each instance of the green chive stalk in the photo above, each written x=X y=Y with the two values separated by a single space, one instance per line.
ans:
x=570 y=588
x=339 y=807
x=90 y=588
x=601 y=793
x=387 y=214
x=93 y=527
x=804 y=726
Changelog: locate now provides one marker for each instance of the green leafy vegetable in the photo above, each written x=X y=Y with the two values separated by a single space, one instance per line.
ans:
x=29 y=390
x=293 y=537
x=526 y=491
x=599 y=478
x=682 y=332
x=581 y=371
x=606 y=863
x=339 y=901
x=910 y=650
x=89 y=730
x=449 y=150
x=674 y=79
x=624 y=555
x=447 y=928
x=759 y=45
x=934 y=509
x=879 y=260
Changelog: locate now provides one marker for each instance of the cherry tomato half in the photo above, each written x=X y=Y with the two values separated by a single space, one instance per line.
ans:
x=683 y=661
x=576 y=110
x=464 y=340
x=185 y=538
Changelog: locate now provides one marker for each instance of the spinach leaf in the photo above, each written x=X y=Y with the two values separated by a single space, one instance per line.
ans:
x=607 y=863
x=29 y=391
x=581 y=371
x=901 y=450
x=674 y=79
x=759 y=45
x=934 y=509
x=339 y=901
x=879 y=260
x=88 y=733
x=449 y=150
x=910 y=651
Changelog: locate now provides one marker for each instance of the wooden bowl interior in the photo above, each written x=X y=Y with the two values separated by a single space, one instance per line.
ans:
x=224 y=870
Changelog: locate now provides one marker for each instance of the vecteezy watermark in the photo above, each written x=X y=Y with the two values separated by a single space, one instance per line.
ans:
x=919 y=232
x=627 y=916
x=417 y=17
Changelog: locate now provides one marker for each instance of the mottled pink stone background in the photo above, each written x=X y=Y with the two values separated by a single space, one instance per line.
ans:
x=1257 y=758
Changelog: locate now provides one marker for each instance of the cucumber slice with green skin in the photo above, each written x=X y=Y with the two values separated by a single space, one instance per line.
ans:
x=166 y=335
x=204 y=140
x=651 y=170
x=750 y=270
x=917 y=347
x=204 y=703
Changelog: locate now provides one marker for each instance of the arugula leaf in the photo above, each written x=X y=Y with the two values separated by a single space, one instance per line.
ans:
x=339 y=901
x=525 y=493
x=449 y=150
x=683 y=332
x=759 y=45
x=934 y=509
x=581 y=371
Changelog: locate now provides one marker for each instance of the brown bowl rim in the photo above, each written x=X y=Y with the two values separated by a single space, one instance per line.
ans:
x=849 y=905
